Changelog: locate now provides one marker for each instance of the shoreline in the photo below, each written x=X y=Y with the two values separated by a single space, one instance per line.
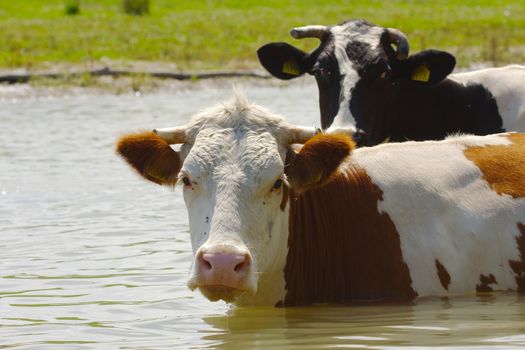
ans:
x=26 y=77
x=138 y=79
x=123 y=85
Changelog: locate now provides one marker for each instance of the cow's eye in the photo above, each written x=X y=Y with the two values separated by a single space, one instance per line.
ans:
x=277 y=184
x=186 y=181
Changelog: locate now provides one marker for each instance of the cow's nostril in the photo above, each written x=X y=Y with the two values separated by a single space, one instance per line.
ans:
x=204 y=263
x=243 y=265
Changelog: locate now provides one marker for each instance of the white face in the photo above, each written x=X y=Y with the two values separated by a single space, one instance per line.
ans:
x=233 y=182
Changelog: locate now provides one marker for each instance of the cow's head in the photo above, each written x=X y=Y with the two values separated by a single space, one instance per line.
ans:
x=351 y=57
x=231 y=165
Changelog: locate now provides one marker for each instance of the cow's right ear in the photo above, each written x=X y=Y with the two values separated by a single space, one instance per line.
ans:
x=283 y=60
x=151 y=157
x=427 y=67
x=318 y=161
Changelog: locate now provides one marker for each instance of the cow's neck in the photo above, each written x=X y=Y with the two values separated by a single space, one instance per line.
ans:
x=409 y=111
x=341 y=249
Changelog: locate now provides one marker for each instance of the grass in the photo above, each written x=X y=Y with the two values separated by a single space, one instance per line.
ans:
x=224 y=34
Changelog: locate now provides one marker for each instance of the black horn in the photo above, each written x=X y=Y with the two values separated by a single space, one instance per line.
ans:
x=400 y=40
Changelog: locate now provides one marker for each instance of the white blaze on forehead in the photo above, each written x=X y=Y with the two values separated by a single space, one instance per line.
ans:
x=343 y=34
x=444 y=210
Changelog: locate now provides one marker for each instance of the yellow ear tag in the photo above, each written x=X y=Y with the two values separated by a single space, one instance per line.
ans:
x=291 y=67
x=421 y=73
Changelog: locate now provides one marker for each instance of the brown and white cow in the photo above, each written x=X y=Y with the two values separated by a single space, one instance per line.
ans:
x=385 y=93
x=334 y=224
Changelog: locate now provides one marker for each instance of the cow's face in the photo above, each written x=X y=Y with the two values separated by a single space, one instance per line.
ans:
x=352 y=58
x=234 y=188
x=231 y=167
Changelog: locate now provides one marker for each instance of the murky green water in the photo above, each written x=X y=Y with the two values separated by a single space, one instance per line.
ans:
x=92 y=257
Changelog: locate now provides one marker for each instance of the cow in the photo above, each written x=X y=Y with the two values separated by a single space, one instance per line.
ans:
x=383 y=93
x=332 y=223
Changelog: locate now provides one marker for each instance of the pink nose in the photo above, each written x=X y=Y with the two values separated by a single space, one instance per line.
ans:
x=223 y=269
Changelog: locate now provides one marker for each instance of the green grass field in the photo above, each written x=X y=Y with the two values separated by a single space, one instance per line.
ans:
x=200 y=35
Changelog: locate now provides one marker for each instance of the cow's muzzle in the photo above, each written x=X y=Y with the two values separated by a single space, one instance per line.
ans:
x=222 y=273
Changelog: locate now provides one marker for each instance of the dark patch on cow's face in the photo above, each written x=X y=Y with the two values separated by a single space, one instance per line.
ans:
x=366 y=59
x=485 y=282
x=370 y=65
x=518 y=266
x=444 y=276
x=328 y=78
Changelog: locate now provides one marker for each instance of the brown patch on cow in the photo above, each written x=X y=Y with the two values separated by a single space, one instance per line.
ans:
x=341 y=249
x=518 y=266
x=485 y=282
x=502 y=166
x=317 y=161
x=443 y=275
x=150 y=156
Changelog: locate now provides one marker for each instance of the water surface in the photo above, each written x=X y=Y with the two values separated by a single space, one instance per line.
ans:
x=94 y=257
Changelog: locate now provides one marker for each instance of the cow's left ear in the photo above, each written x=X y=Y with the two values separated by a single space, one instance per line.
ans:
x=283 y=60
x=317 y=161
x=427 y=67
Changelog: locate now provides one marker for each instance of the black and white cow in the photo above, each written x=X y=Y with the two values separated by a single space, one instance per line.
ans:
x=369 y=83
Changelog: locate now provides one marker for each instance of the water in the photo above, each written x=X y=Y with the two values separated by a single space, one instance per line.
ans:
x=93 y=257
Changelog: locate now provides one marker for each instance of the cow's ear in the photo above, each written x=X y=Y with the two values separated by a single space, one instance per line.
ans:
x=427 y=67
x=283 y=60
x=151 y=157
x=318 y=161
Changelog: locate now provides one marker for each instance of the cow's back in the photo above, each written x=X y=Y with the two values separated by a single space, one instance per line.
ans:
x=459 y=208
x=507 y=85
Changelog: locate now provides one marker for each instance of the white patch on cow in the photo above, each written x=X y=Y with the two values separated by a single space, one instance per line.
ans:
x=233 y=156
x=443 y=209
x=343 y=34
x=507 y=84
